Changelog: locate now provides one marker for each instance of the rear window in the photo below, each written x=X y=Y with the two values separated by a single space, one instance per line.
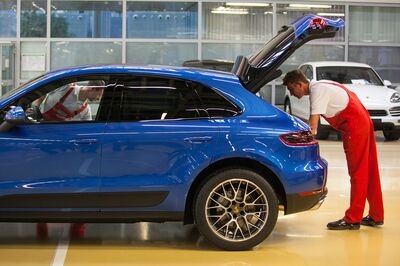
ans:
x=349 y=75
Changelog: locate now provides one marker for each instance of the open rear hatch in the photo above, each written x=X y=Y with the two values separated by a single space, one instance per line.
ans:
x=262 y=67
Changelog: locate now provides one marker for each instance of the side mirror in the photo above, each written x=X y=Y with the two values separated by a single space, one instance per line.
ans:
x=14 y=117
x=388 y=84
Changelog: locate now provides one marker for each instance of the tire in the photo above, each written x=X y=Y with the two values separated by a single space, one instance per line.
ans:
x=322 y=133
x=287 y=107
x=229 y=219
x=391 y=135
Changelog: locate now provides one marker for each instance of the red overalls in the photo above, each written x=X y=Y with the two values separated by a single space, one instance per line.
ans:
x=359 y=146
x=59 y=112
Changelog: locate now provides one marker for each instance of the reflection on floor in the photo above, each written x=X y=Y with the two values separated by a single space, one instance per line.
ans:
x=299 y=239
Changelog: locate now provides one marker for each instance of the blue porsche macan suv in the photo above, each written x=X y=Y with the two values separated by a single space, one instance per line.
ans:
x=162 y=144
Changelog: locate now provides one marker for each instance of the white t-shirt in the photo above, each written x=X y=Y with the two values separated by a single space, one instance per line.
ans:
x=72 y=102
x=327 y=99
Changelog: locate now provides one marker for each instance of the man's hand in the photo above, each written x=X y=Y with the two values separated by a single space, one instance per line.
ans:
x=313 y=123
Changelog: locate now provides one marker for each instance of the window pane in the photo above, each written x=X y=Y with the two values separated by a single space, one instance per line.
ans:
x=228 y=51
x=8 y=18
x=215 y=104
x=37 y=50
x=310 y=52
x=162 y=20
x=86 y=19
x=287 y=13
x=385 y=60
x=160 y=53
x=374 y=24
x=224 y=22
x=145 y=98
x=33 y=18
x=65 y=101
x=66 y=54
x=7 y=71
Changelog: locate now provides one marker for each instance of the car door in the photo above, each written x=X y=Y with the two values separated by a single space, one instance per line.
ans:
x=156 y=141
x=52 y=164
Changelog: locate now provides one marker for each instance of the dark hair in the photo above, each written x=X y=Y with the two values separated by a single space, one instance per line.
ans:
x=294 y=77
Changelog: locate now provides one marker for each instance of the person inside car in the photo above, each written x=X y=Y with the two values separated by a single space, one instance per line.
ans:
x=70 y=102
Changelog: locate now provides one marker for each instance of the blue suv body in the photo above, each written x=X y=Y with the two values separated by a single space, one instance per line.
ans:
x=162 y=144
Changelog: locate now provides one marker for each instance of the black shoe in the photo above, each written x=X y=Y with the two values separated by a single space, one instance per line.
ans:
x=343 y=225
x=368 y=221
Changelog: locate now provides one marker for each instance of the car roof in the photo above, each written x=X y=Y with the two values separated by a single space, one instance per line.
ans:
x=336 y=63
x=170 y=71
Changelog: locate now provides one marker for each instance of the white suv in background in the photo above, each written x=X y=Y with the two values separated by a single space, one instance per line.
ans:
x=382 y=103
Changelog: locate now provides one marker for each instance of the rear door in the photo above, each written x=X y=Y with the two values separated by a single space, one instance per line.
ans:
x=157 y=139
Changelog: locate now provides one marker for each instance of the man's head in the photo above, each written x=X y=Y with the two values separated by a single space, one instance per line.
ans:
x=93 y=90
x=297 y=83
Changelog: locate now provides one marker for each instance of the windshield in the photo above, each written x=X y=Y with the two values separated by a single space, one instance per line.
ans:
x=6 y=95
x=349 y=75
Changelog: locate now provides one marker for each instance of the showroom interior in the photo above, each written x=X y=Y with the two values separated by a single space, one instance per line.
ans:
x=38 y=36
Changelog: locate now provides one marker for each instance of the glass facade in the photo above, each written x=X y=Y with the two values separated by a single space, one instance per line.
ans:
x=63 y=33
x=8 y=18
x=86 y=19
x=374 y=24
x=228 y=51
x=385 y=60
x=33 y=18
x=171 y=20
x=89 y=53
x=32 y=49
x=160 y=53
x=224 y=21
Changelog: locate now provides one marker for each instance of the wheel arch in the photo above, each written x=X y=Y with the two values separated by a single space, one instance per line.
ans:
x=221 y=165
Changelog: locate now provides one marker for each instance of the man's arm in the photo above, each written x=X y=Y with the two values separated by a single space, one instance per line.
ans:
x=313 y=123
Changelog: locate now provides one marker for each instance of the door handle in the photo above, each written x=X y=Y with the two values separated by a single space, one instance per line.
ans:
x=198 y=139
x=83 y=141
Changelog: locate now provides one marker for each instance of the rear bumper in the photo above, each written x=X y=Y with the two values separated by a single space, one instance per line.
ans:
x=304 y=201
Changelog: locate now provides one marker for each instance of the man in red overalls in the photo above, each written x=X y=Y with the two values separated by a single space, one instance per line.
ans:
x=345 y=112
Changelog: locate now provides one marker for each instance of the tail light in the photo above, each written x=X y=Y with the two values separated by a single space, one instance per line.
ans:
x=299 y=138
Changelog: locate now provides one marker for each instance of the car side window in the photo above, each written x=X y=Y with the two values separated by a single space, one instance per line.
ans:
x=69 y=100
x=309 y=73
x=153 y=98
x=215 y=104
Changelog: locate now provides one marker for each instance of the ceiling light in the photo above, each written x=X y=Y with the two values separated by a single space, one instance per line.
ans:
x=246 y=4
x=331 y=14
x=309 y=6
x=228 y=10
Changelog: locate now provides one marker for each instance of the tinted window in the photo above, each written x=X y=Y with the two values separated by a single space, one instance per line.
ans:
x=349 y=75
x=146 y=98
x=215 y=104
